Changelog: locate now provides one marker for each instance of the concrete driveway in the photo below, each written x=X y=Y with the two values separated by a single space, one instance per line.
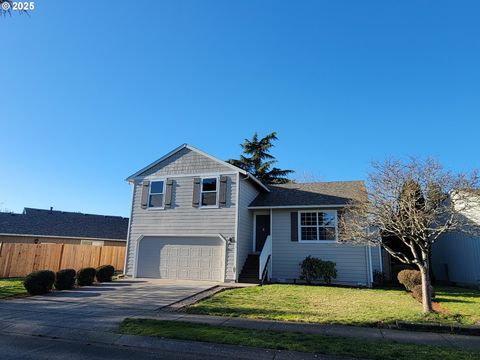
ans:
x=95 y=308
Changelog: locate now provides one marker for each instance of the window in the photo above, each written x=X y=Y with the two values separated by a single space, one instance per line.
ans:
x=318 y=226
x=208 y=192
x=155 y=197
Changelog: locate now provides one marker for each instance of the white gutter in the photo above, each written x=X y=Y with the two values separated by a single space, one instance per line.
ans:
x=297 y=207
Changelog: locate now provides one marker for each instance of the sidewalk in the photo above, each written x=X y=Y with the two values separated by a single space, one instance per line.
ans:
x=416 y=337
x=48 y=337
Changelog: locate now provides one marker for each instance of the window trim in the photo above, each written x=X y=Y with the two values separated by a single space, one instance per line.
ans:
x=317 y=241
x=150 y=193
x=216 y=206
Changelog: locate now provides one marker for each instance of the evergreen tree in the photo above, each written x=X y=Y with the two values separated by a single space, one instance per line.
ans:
x=258 y=161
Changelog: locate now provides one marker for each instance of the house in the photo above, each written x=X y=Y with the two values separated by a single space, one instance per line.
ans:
x=456 y=254
x=196 y=217
x=36 y=226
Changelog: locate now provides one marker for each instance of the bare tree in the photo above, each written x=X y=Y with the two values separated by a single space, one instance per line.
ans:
x=416 y=202
x=307 y=177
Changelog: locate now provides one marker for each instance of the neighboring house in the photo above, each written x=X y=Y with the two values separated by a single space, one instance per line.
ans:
x=197 y=217
x=456 y=254
x=38 y=226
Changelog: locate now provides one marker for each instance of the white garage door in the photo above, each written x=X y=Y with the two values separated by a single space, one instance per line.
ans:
x=196 y=258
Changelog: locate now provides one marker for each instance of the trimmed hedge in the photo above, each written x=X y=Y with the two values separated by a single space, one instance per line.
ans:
x=65 y=279
x=417 y=292
x=86 y=276
x=39 y=282
x=105 y=273
x=313 y=269
x=409 y=278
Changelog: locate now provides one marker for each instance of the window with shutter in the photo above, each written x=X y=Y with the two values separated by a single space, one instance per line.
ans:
x=318 y=226
x=156 y=194
x=209 y=192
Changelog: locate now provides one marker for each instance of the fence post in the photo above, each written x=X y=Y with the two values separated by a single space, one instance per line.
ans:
x=60 y=258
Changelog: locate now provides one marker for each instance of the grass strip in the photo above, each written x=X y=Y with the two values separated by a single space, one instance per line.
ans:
x=280 y=340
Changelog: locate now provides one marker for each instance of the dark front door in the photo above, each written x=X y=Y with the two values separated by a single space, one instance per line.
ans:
x=262 y=230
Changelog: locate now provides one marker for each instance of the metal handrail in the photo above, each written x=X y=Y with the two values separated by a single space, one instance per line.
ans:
x=264 y=259
x=265 y=271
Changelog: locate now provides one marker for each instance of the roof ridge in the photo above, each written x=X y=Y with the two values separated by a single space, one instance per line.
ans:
x=71 y=212
x=320 y=182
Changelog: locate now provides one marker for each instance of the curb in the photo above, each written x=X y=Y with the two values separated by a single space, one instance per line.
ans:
x=438 y=328
x=177 y=306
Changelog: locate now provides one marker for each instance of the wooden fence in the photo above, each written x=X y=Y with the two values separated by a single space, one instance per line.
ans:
x=18 y=260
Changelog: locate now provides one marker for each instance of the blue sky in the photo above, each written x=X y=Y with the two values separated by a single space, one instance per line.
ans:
x=93 y=91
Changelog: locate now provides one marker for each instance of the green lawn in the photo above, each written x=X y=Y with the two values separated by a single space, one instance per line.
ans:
x=336 y=305
x=461 y=303
x=10 y=287
x=322 y=344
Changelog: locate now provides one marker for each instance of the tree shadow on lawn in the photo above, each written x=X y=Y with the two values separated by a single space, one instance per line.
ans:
x=441 y=300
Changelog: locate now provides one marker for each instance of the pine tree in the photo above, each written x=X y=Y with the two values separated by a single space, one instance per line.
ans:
x=258 y=161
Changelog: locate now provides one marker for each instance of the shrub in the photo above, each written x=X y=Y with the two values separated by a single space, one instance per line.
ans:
x=39 y=282
x=65 y=279
x=409 y=278
x=105 y=273
x=85 y=276
x=314 y=269
x=417 y=292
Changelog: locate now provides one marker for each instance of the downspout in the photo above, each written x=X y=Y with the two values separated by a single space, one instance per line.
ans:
x=380 y=258
x=370 y=265
x=270 y=270
x=237 y=196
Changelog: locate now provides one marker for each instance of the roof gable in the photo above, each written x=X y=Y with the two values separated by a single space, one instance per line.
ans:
x=191 y=156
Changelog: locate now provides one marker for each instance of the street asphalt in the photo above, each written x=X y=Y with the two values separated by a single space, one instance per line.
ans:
x=37 y=347
x=30 y=347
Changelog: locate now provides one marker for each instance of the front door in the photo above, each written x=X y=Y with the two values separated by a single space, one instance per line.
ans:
x=262 y=230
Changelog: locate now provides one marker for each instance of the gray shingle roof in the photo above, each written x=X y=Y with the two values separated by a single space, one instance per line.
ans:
x=62 y=223
x=311 y=194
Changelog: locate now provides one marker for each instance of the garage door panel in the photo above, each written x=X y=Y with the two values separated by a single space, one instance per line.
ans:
x=181 y=258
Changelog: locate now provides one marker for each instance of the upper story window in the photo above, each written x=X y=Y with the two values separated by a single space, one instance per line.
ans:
x=209 y=192
x=156 y=195
x=318 y=226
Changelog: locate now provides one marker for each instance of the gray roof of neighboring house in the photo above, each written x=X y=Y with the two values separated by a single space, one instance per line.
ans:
x=62 y=223
x=311 y=194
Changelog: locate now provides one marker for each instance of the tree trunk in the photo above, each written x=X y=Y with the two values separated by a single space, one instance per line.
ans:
x=426 y=296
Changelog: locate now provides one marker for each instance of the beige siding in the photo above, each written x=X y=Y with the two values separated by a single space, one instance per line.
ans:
x=245 y=222
x=183 y=218
x=351 y=261
x=184 y=162
x=53 y=240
